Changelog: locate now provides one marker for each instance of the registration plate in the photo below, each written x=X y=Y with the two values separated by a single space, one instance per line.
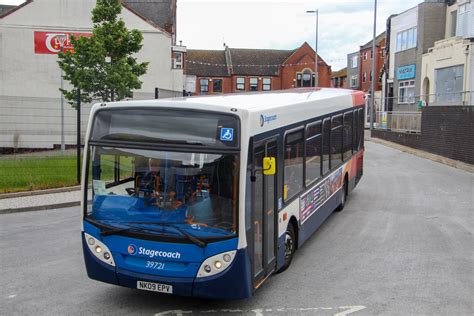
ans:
x=155 y=287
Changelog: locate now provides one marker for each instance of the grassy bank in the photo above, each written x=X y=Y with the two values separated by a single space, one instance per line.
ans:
x=34 y=173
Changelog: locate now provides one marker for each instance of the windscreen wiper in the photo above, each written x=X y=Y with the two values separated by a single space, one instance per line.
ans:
x=189 y=236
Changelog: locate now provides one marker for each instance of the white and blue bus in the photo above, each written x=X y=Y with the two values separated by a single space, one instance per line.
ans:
x=209 y=196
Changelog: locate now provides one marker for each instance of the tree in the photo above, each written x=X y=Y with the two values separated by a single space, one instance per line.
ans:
x=103 y=66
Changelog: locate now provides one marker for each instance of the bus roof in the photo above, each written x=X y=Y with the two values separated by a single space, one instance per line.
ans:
x=256 y=100
x=279 y=107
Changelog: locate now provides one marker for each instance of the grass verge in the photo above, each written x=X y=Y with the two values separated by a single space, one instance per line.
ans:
x=37 y=173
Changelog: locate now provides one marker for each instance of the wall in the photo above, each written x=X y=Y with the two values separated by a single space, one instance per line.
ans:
x=29 y=112
x=445 y=130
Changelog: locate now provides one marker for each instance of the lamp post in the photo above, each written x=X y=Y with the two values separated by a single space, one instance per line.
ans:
x=372 y=84
x=316 y=77
x=61 y=38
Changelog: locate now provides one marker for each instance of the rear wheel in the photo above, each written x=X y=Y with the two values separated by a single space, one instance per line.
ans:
x=345 y=191
x=290 y=246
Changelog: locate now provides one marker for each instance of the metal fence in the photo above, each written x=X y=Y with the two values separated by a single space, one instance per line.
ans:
x=403 y=114
x=399 y=121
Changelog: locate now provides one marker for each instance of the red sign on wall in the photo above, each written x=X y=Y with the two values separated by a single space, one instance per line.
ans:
x=51 y=42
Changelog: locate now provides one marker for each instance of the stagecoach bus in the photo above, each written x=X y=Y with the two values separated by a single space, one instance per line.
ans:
x=209 y=196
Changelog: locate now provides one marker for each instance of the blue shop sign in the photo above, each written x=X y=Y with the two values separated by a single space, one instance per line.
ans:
x=406 y=72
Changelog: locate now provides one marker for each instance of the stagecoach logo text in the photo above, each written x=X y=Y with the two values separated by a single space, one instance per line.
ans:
x=266 y=119
x=132 y=249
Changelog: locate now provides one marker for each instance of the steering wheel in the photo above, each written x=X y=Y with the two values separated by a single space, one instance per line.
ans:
x=130 y=191
x=224 y=225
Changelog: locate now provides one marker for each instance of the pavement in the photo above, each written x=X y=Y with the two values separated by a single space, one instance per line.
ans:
x=66 y=197
x=402 y=246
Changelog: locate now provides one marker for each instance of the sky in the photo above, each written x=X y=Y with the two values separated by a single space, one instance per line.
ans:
x=344 y=25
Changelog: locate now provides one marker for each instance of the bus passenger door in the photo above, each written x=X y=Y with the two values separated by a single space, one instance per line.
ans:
x=264 y=214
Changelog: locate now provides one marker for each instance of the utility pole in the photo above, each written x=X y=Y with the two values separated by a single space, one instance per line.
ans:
x=316 y=77
x=372 y=85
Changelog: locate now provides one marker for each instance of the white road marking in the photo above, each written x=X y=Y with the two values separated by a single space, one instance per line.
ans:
x=11 y=296
x=350 y=310
x=260 y=311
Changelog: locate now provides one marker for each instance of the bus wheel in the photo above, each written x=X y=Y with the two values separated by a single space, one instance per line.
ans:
x=290 y=246
x=344 y=196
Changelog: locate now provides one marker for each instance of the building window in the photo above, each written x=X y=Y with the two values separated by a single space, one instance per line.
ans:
x=354 y=81
x=454 y=19
x=305 y=79
x=293 y=164
x=253 y=84
x=240 y=83
x=204 y=83
x=177 y=60
x=365 y=55
x=355 y=61
x=267 y=84
x=449 y=85
x=406 y=91
x=463 y=20
x=406 y=39
x=217 y=85
x=364 y=77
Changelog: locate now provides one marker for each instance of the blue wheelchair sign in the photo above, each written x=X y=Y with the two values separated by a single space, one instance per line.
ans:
x=227 y=134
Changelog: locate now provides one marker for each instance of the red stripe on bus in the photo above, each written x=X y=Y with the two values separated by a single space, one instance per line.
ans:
x=358 y=98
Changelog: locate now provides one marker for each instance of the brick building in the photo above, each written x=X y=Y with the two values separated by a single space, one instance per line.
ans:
x=239 y=70
x=339 y=79
x=365 y=68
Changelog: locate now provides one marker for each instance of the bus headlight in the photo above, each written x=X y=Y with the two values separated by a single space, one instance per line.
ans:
x=99 y=249
x=216 y=264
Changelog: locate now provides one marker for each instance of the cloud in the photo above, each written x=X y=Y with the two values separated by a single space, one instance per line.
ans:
x=343 y=25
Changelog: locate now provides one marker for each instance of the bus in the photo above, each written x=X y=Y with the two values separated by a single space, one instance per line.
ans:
x=208 y=196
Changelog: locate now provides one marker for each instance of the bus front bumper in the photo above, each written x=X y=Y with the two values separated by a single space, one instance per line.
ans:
x=233 y=283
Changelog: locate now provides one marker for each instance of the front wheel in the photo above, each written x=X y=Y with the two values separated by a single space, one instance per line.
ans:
x=343 y=197
x=290 y=246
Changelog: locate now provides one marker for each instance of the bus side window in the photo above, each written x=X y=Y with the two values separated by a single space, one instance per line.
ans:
x=347 y=136
x=326 y=138
x=336 y=140
x=293 y=162
x=355 y=133
x=361 y=128
x=313 y=152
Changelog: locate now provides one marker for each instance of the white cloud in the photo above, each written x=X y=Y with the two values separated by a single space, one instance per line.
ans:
x=343 y=25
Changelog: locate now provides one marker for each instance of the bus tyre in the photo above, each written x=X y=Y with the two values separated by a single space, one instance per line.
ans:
x=343 y=197
x=290 y=246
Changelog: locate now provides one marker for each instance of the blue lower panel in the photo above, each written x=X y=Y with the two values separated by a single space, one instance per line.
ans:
x=234 y=283
x=315 y=220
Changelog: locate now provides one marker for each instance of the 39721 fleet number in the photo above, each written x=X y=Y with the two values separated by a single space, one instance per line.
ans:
x=155 y=265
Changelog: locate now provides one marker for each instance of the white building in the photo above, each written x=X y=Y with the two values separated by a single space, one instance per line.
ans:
x=30 y=115
x=447 y=73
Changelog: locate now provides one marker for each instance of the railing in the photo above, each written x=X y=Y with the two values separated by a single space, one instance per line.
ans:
x=399 y=121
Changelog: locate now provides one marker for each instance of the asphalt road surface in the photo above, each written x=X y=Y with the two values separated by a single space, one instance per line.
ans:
x=403 y=245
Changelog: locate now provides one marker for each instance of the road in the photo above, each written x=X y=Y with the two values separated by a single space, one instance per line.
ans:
x=403 y=245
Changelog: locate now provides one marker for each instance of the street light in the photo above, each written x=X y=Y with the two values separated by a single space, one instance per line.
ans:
x=372 y=84
x=316 y=77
